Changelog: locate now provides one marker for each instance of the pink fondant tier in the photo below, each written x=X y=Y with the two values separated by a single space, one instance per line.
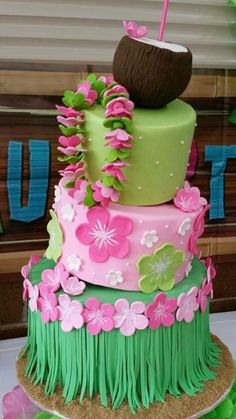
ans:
x=103 y=245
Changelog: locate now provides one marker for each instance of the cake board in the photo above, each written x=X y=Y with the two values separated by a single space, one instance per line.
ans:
x=184 y=407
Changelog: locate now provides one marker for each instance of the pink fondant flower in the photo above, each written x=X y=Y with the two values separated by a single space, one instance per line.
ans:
x=160 y=312
x=211 y=272
x=70 y=313
x=106 y=236
x=98 y=316
x=52 y=278
x=16 y=404
x=79 y=191
x=198 y=230
x=114 y=169
x=33 y=293
x=128 y=318
x=120 y=106
x=106 y=80
x=68 y=151
x=89 y=94
x=118 y=138
x=104 y=194
x=114 y=90
x=203 y=293
x=188 y=199
x=73 y=171
x=72 y=141
x=47 y=304
x=25 y=270
x=134 y=30
x=71 y=121
x=187 y=304
x=69 y=112
x=73 y=286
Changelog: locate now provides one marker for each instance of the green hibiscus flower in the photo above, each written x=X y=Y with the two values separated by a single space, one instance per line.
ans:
x=158 y=270
x=56 y=238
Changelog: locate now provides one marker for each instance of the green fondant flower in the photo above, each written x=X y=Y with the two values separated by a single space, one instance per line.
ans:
x=158 y=270
x=56 y=238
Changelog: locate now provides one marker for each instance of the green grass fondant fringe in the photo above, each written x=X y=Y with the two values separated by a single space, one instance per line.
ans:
x=139 y=369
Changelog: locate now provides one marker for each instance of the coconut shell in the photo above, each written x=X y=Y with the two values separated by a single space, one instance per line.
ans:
x=152 y=75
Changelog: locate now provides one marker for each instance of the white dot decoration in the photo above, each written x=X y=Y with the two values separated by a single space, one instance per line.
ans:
x=157 y=162
x=196 y=125
x=127 y=263
x=177 y=187
x=141 y=221
x=189 y=152
x=166 y=225
x=171 y=174
x=90 y=139
x=140 y=137
x=182 y=142
x=139 y=188
x=181 y=242
x=188 y=165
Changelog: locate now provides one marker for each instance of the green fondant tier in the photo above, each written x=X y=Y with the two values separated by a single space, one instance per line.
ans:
x=110 y=295
x=161 y=142
x=139 y=369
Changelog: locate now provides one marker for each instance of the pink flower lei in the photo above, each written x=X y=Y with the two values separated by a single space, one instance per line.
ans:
x=118 y=117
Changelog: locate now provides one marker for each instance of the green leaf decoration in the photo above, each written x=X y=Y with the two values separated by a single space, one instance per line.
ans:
x=46 y=415
x=123 y=154
x=68 y=98
x=92 y=78
x=68 y=131
x=70 y=159
x=79 y=101
x=35 y=275
x=88 y=200
x=232 y=117
x=119 y=122
x=56 y=238
x=99 y=86
x=118 y=185
x=112 y=156
x=108 y=181
x=69 y=185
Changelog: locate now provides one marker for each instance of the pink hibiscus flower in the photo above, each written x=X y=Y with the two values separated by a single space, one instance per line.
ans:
x=25 y=270
x=73 y=286
x=69 y=112
x=106 y=80
x=160 y=312
x=90 y=95
x=52 y=278
x=71 y=121
x=106 y=236
x=33 y=293
x=73 y=171
x=198 y=230
x=203 y=293
x=187 y=305
x=114 y=90
x=114 y=169
x=133 y=30
x=47 y=304
x=128 y=318
x=79 y=191
x=119 y=106
x=70 y=313
x=188 y=199
x=118 y=138
x=16 y=404
x=104 y=194
x=98 y=316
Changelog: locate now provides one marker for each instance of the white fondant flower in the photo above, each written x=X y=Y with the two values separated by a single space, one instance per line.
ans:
x=57 y=192
x=189 y=268
x=149 y=238
x=67 y=212
x=115 y=277
x=74 y=263
x=184 y=226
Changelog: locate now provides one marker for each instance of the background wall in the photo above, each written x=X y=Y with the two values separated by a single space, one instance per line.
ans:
x=47 y=47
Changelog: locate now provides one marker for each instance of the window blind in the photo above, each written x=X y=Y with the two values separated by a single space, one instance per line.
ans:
x=87 y=31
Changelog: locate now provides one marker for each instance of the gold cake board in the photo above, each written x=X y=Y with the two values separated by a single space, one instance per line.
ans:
x=184 y=407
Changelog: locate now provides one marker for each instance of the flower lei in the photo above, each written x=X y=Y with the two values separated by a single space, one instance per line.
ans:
x=118 y=118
